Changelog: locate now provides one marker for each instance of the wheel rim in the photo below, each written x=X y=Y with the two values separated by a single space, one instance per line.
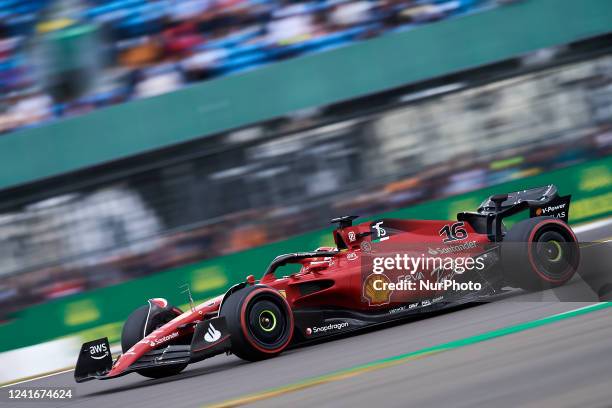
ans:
x=267 y=322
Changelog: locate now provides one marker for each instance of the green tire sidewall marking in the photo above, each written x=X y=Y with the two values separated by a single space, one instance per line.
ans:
x=559 y=251
x=269 y=313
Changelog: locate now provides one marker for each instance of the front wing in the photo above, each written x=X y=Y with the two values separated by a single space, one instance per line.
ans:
x=209 y=338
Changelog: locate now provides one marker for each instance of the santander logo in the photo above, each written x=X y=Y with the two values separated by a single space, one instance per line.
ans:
x=212 y=334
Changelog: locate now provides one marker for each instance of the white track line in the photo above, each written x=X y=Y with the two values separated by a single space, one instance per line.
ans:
x=38 y=378
x=575 y=310
x=67 y=370
x=592 y=226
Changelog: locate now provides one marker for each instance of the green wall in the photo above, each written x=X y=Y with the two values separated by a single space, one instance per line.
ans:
x=356 y=70
x=101 y=312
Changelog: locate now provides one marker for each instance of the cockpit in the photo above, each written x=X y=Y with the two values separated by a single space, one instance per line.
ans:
x=297 y=257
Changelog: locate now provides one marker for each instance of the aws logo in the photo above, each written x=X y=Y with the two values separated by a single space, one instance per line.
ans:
x=98 y=351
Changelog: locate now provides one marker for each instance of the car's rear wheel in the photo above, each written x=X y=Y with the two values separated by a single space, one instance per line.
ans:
x=259 y=321
x=540 y=253
x=134 y=331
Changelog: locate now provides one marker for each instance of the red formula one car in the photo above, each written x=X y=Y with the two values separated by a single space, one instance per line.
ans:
x=338 y=290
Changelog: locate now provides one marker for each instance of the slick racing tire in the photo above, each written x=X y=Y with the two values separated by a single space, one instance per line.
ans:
x=260 y=322
x=134 y=331
x=540 y=253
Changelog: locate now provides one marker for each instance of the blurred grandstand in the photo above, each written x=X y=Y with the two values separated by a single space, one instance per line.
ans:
x=68 y=57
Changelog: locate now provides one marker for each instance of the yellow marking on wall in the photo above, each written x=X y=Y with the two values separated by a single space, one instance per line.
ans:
x=208 y=278
x=81 y=312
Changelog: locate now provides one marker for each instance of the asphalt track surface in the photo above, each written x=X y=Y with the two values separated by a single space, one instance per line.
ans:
x=566 y=363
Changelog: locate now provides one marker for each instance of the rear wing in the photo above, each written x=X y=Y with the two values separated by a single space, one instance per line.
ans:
x=541 y=201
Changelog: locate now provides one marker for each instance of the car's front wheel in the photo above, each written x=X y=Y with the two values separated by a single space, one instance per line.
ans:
x=260 y=322
x=134 y=330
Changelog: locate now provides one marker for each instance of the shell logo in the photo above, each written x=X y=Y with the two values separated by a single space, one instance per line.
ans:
x=376 y=297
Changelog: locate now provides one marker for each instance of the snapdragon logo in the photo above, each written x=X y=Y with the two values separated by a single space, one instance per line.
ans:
x=324 y=329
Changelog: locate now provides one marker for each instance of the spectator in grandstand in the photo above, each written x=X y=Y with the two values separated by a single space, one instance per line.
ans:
x=181 y=10
x=28 y=108
x=158 y=80
x=352 y=13
x=180 y=40
x=293 y=23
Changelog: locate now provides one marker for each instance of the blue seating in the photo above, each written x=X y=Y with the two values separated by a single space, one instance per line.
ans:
x=246 y=46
